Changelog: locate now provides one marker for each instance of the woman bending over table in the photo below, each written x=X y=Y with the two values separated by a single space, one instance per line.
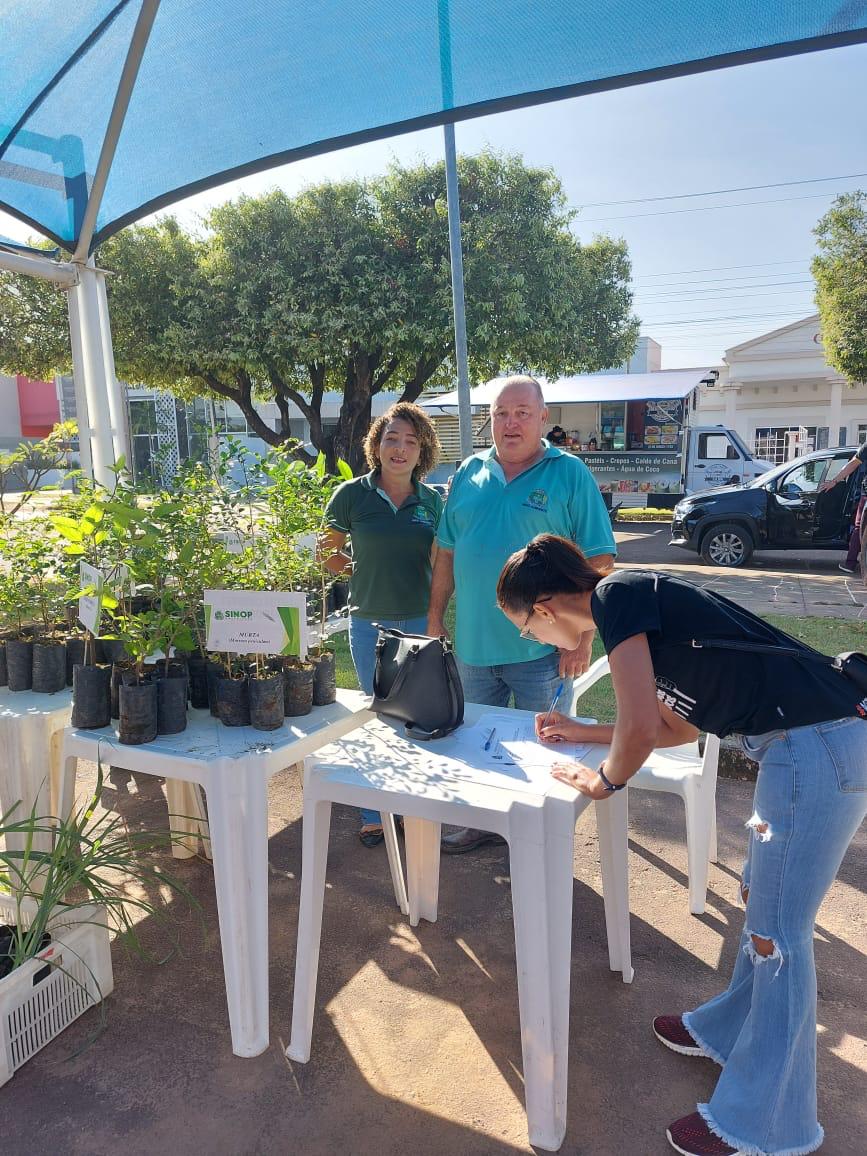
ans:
x=803 y=722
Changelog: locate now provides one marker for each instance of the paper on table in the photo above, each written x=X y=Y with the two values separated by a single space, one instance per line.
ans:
x=515 y=742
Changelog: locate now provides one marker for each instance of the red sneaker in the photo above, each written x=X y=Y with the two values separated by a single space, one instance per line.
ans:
x=671 y=1031
x=692 y=1137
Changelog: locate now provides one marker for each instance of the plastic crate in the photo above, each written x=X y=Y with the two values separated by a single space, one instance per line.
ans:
x=43 y=996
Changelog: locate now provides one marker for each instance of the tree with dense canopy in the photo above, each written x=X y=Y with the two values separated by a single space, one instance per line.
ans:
x=840 y=270
x=347 y=287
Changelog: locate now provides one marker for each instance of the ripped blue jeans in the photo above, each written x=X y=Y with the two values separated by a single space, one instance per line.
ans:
x=810 y=798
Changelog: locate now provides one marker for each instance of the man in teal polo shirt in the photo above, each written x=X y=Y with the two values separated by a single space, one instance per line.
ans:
x=499 y=499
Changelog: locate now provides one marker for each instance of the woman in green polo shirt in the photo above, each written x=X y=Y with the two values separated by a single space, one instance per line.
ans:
x=391 y=518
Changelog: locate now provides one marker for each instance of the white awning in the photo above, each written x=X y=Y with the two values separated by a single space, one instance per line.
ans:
x=586 y=387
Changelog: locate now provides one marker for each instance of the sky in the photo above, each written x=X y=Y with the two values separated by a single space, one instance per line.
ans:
x=709 y=271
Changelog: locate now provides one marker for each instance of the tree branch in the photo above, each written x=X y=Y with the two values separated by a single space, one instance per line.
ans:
x=384 y=374
x=254 y=418
x=424 y=370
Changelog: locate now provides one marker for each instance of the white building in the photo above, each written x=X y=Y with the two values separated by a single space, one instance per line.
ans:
x=778 y=392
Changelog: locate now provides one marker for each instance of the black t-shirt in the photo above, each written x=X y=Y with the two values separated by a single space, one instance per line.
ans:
x=721 y=691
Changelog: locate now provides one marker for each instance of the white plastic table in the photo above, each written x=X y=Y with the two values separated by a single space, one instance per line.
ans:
x=378 y=767
x=31 y=732
x=232 y=765
x=31 y=726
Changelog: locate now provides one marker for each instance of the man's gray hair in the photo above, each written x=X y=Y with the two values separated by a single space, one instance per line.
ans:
x=523 y=379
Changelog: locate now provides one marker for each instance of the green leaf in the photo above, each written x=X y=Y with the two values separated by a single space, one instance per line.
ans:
x=319 y=467
x=345 y=470
x=68 y=528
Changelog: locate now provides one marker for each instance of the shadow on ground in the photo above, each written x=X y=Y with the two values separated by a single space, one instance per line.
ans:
x=416 y=1043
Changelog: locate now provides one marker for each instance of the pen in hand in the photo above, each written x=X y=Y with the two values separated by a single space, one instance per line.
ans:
x=552 y=707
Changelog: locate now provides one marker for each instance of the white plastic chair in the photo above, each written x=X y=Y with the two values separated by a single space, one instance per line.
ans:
x=685 y=772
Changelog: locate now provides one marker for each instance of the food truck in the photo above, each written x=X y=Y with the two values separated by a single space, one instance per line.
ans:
x=634 y=431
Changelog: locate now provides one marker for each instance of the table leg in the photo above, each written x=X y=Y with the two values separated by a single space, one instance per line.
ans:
x=611 y=825
x=541 y=871
x=422 y=868
x=394 y=864
x=66 y=783
x=314 y=860
x=238 y=814
x=55 y=773
x=197 y=798
x=186 y=818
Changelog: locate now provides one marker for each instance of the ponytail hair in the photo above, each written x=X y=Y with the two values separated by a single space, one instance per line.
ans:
x=548 y=565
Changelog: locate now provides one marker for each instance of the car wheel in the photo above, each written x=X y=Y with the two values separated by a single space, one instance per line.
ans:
x=726 y=545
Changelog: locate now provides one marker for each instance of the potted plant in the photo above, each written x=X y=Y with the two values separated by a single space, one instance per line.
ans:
x=137 y=691
x=38 y=556
x=295 y=498
x=172 y=635
x=88 y=536
x=266 y=693
x=17 y=608
x=57 y=905
x=197 y=506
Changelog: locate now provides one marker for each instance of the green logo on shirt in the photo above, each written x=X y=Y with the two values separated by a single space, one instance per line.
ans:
x=537 y=500
x=423 y=516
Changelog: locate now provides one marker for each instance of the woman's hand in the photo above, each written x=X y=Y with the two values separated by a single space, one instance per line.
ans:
x=560 y=728
x=582 y=779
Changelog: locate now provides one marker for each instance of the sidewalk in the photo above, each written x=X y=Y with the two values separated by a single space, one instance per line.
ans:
x=809 y=585
x=778 y=592
x=416 y=1042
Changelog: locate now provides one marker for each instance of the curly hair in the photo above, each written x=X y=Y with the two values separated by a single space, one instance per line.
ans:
x=428 y=442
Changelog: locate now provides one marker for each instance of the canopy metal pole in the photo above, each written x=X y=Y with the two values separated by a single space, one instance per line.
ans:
x=116 y=407
x=78 y=374
x=65 y=274
x=86 y=311
x=137 y=45
x=60 y=272
x=465 y=417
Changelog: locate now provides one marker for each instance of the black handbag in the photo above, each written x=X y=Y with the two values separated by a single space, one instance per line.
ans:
x=416 y=680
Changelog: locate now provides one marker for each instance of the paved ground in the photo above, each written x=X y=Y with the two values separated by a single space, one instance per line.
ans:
x=416 y=1042
x=783 y=582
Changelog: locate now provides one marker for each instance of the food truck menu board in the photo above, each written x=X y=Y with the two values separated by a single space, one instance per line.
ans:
x=662 y=422
x=638 y=472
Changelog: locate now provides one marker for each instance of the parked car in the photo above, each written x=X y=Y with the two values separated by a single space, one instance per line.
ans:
x=780 y=510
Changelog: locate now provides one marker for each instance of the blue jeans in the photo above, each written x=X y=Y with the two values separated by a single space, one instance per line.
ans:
x=810 y=798
x=362 y=645
x=533 y=684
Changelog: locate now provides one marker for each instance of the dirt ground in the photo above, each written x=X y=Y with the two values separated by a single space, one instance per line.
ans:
x=416 y=1044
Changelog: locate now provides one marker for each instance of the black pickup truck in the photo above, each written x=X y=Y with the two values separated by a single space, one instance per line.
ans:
x=781 y=510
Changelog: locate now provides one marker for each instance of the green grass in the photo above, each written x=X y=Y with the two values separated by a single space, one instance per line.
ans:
x=828 y=635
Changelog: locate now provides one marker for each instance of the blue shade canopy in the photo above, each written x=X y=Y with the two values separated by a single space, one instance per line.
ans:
x=227 y=89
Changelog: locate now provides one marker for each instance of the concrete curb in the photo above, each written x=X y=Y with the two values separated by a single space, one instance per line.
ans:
x=733 y=763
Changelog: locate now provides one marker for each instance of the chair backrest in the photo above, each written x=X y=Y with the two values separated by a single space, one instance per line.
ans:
x=599 y=670
x=710 y=759
x=589 y=678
